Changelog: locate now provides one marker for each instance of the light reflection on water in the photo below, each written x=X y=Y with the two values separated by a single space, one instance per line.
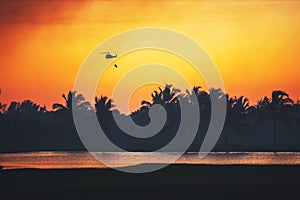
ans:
x=56 y=160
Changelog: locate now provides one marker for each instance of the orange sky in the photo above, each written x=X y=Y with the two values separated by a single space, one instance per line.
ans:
x=255 y=44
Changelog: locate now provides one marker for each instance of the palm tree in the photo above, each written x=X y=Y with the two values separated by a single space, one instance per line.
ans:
x=237 y=110
x=168 y=98
x=103 y=107
x=13 y=107
x=103 y=104
x=204 y=103
x=28 y=106
x=230 y=117
x=79 y=103
x=241 y=104
x=2 y=107
x=25 y=107
x=25 y=110
x=201 y=95
x=163 y=96
x=276 y=109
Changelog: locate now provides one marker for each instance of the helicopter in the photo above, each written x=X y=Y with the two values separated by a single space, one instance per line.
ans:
x=109 y=55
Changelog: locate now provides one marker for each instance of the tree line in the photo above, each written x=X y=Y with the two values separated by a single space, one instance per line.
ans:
x=272 y=124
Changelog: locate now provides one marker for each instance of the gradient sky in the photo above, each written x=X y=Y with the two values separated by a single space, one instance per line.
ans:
x=255 y=44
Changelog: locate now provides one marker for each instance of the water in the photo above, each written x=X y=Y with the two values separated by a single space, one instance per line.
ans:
x=59 y=160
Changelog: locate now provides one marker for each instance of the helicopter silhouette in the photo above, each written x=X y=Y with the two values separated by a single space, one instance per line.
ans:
x=108 y=55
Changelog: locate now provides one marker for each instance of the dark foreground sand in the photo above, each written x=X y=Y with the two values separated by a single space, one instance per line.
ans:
x=173 y=182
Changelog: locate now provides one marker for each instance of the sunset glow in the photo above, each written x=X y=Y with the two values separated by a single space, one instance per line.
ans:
x=255 y=44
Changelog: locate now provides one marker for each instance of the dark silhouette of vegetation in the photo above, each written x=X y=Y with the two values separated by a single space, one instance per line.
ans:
x=236 y=116
x=277 y=108
x=27 y=126
x=103 y=104
x=79 y=103
x=164 y=97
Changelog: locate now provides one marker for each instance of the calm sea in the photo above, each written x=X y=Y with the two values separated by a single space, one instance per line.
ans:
x=57 y=160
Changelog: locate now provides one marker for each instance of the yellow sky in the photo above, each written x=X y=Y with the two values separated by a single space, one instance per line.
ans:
x=255 y=44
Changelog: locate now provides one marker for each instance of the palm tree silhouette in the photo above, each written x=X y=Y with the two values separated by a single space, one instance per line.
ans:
x=237 y=110
x=201 y=95
x=164 y=97
x=241 y=104
x=103 y=104
x=28 y=106
x=2 y=108
x=168 y=98
x=103 y=107
x=204 y=103
x=25 y=107
x=276 y=109
x=79 y=103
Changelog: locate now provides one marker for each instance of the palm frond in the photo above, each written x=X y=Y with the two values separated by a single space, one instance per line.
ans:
x=58 y=106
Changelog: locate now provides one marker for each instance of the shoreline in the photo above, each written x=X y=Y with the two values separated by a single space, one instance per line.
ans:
x=84 y=160
x=187 y=152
